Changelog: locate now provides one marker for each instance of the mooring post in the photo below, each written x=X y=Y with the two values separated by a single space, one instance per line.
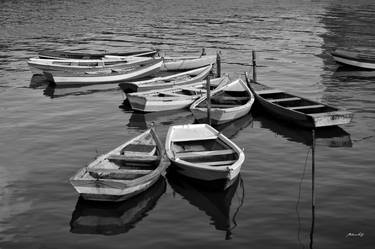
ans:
x=203 y=52
x=208 y=91
x=218 y=65
x=254 y=66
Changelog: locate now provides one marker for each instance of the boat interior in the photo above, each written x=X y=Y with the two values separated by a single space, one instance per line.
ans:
x=209 y=152
x=295 y=103
x=227 y=99
x=136 y=159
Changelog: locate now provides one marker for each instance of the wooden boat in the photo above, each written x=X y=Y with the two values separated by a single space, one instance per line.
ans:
x=114 y=76
x=174 y=80
x=123 y=172
x=55 y=54
x=298 y=110
x=181 y=63
x=230 y=102
x=355 y=58
x=108 y=218
x=38 y=66
x=201 y=152
x=186 y=63
x=171 y=99
x=219 y=205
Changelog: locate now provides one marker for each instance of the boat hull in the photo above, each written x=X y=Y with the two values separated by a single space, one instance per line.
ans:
x=175 y=64
x=354 y=59
x=166 y=82
x=219 y=116
x=100 y=191
x=102 y=78
x=142 y=104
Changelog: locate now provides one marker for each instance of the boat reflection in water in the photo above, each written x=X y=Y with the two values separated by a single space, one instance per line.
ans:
x=53 y=91
x=142 y=120
x=349 y=73
x=232 y=128
x=108 y=218
x=333 y=136
x=216 y=203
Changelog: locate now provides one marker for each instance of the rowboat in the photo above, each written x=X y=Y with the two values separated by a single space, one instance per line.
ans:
x=174 y=80
x=230 y=102
x=186 y=63
x=201 y=152
x=298 y=110
x=123 y=172
x=109 y=218
x=113 y=76
x=55 y=54
x=38 y=66
x=181 y=63
x=355 y=58
x=219 y=205
x=171 y=99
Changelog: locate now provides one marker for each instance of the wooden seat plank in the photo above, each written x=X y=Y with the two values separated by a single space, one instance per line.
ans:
x=305 y=107
x=217 y=163
x=268 y=91
x=283 y=99
x=204 y=153
x=117 y=173
x=141 y=158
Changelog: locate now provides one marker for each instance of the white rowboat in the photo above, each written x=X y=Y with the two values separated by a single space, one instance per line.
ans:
x=38 y=66
x=230 y=102
x=115 y=76
x=123 y=172
x=175 y=80
x=171 y=99
x=201 y=152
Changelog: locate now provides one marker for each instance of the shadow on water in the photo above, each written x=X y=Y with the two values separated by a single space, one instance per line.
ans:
x=38 y=81
x=333 y=136
x=53 y=91
x=348 y=73
x=107 y=218
x=231 y=129
x=142 y=120
x=217 y=204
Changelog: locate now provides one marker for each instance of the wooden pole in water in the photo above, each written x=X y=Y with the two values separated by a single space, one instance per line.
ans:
x=312 y=190
x=218 y=65
x=208 y=99
x=254 y=66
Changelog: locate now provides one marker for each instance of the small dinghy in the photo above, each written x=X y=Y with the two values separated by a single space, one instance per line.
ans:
x=38 y=66
x=174 y=80
x=171 y=99
x=123 y=172
x=59 y=55
x=298 y=110
x=360 y=59
x=201 y=152
x=230 y=102
x=112 y=76
x=187 y=63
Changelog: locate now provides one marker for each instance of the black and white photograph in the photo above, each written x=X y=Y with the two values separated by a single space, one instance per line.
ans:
x=178 y=124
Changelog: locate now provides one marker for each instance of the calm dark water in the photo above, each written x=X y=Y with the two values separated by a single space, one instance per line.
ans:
x=45 y=140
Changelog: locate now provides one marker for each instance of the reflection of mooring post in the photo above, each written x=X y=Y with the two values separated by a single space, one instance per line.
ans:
x=208 y=91
x=254 y=66
x=312 y=189
x=218 y=65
